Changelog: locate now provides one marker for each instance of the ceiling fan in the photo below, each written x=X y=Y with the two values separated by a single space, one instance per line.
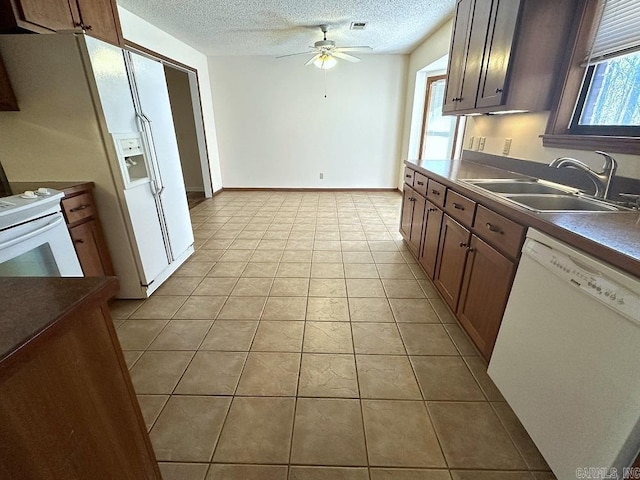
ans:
x=325 y=52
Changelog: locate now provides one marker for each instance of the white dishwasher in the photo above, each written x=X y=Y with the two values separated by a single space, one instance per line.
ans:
x=567 y=358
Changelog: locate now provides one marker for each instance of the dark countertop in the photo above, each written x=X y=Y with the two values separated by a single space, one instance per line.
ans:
x=67 y=187
x=613 y=237
x=33 y=304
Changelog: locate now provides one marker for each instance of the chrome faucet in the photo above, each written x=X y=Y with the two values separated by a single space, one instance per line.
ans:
x=601 y=180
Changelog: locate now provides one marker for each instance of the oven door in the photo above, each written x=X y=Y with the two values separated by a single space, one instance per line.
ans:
x=38 y=248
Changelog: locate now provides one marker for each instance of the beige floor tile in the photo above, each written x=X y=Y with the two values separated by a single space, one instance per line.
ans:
x=159 y=307
x=217 y=243
x=328 y=432
x=194 y=269
x=357 y=257
x=204 y=256
x=478 y=368
x=215 y=286
x=408 y=474
x=201 y=307
x=332 y=236
x=446 y=378
x=257 y=430
x=188 y=428
x=353 y=236
x=236 y=256
x=263 y=270
x=460 y=339
x=360 y=270
x=414 y=310
x=327 y=287
x=377 y=338
x=520 y=437
x=247 y=472
x=325 y=256
x=382 y=246
x=296 y=256
x=387 y=377
x=178 y=286
x=328 y=473
x=290 y=287
x=285 y=308
x=306 y=244
x=402 y=288
x=370 y=310
x=326 y=375
x=327 y=337
x=183 y=471
x=275 y=235
x=138 y=334
x=124 y=308
x=181 y=335
x=426 y=339
x=212 y=373
x=294 y=269
x=242 y=308
x=330 y=245
x=249 y=287
x=151 y=406
x=231 y=335
x=357 y=287
x=472 y=436
x=489 y=475
x=399 y=433
x=327 y=270
x=229 y=269
x=442 y=310
x=327 y=309
x=388 y=257
x=159 y=372
x=270 y=374
x=247 y=244
x=277 y=244
x=131 y=357
x=377 y=235
x=266 y=256
x=354 y=246
x=429 y=289
x=278 y=337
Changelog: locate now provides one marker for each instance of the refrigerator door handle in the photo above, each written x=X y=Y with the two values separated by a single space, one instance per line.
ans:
x=153 y=155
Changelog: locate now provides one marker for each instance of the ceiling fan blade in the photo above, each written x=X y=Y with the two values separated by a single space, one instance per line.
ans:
x=312 y=59
x=351 y=49
x=294 y=54
x=344 y=56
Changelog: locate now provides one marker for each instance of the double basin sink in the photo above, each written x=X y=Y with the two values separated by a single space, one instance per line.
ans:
x=541 y=196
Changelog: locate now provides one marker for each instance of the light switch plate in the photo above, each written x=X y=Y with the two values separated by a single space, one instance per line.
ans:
x=507 y=146
x=470 y=143
x=481 y=144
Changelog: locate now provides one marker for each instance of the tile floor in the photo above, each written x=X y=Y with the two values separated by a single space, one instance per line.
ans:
x=302 y=341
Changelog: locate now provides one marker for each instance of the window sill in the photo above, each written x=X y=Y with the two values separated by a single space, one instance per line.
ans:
x=630 y=145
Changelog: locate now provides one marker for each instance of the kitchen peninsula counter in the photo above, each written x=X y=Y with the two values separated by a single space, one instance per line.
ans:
x=613 y=237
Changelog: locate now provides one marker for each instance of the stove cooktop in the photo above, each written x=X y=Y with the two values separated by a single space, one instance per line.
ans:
x=16 y=209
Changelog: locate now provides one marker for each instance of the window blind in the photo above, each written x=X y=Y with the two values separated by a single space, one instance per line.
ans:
x=618 y=32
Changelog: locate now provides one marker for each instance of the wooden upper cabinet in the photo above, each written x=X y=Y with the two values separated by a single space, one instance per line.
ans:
x=458 y=54
x=98 y=18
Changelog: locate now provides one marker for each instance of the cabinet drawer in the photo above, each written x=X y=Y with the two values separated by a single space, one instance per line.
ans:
x=460 y=208
x=78 y=207
x=420 y=184
x=436 y=192
x=499 y=231
x=408 y=176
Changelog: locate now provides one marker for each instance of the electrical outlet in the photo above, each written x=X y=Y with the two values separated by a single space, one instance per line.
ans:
x=321 y=176
x=470 y=143
x=507 y=146
x=481 y=144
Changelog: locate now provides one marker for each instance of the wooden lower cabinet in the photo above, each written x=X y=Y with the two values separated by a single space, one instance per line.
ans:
x=452 y=256
x=407 y=212
x=488 y=276
x=91 y=248
x=431 y=231
x=416 y=222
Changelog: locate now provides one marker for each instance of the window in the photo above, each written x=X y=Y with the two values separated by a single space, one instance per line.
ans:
x=438 y=137
x=599 y=107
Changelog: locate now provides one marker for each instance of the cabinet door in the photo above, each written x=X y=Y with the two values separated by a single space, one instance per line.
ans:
x=497 y=53
x=429 y=250
x=407 y=212
x=487 y=281
x=51 y=14
x=452 y=255
x=100 y=19
x=91 y=249
x=458 y=54
x=416 y=222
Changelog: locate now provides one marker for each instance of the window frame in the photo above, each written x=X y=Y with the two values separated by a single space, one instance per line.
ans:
x=425 y=117
x=558 y=132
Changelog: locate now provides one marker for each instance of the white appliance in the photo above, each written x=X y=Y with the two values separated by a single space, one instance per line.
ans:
x=106 y=118
x=566 y=358
x=34 y=240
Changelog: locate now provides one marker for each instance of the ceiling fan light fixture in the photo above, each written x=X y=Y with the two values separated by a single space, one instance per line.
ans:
x=325 y=62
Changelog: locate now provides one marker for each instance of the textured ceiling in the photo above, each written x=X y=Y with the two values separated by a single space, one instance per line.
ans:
x=280 y=27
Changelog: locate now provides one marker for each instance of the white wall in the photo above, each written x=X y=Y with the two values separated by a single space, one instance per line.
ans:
x=276 y=129
x=525 y=130
x=139 y=31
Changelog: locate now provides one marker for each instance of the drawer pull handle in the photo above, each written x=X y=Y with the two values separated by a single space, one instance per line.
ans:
x=433 y=210
x=78 y=240
x=435 y=192
x=458 y=206
x=462 y=244
x=408 y=176
x=494 y=228
x=498 y=90
x=420 y=183
x=81 y=207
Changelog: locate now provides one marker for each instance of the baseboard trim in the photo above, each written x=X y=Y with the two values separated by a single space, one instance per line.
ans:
x=297 y=189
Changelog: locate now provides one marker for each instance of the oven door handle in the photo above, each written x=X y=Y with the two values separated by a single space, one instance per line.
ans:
x=29 y=235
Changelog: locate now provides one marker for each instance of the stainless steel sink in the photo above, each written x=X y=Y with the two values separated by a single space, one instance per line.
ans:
x=547 y=203
x=520 y=186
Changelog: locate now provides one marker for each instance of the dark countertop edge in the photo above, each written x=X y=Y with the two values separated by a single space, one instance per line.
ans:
x=69 y=188
x=538 y=221
x=88 y=292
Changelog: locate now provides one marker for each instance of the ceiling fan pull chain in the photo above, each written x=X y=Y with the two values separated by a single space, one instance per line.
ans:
x=325 y=83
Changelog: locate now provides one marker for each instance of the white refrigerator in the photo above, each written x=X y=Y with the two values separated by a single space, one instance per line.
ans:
x=69 y=83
